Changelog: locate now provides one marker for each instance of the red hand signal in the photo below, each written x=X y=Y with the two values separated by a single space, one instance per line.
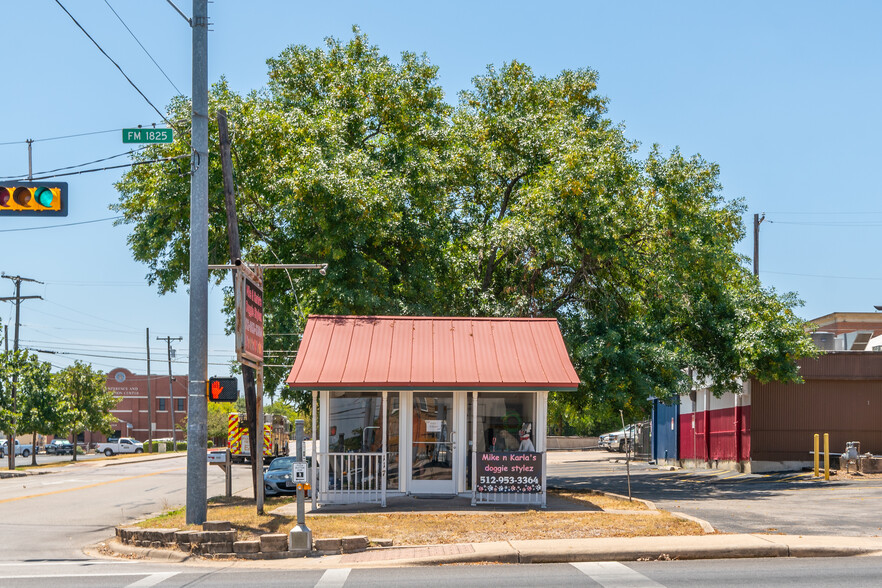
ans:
x=216 y=389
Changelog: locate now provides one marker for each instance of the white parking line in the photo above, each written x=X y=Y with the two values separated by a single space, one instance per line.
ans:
x=612 y=574
x=333 y=578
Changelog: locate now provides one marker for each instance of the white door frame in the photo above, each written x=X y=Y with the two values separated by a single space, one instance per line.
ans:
x=433 y=486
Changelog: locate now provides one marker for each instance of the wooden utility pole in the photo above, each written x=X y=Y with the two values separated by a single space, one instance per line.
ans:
x=149 y=399
x=757 y=221
x=171 y=393
x=11 y=433
x=252 y=416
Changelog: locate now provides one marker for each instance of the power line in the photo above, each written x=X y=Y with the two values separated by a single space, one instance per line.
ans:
x=62 y=137
x=142 y=47
x=114 y=63
x=49 y=171
x=97 y=220
x=100 y=169
x=824 y=276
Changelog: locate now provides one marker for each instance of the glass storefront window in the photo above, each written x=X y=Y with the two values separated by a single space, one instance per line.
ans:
x=501 y=417
x=355 y=422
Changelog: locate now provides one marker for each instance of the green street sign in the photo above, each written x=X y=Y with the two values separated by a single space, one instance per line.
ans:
x=147 y=135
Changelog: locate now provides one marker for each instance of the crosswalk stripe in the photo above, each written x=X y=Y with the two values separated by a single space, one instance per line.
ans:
x=612 y=574
x=152 y=579
x=334 y=578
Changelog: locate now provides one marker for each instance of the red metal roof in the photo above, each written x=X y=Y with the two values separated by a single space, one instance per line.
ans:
x=395 y=353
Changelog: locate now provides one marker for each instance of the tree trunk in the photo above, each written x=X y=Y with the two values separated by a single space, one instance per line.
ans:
x=74 y=435
x=34 y=447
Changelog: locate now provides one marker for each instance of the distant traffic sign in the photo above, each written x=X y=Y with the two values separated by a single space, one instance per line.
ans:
x=147 y=135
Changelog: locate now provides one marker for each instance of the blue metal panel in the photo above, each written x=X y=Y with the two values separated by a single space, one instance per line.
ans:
x=665 y=422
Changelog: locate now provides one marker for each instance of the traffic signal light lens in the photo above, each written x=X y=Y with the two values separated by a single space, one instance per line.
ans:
x=33 y=199
x=22 y=196
x=44 y=197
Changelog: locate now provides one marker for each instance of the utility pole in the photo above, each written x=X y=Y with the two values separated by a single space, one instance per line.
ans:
x=253 y=408
x=17 y=280
x=149 y=399
x=757 y=221
x=171 y=394
x=197 y=407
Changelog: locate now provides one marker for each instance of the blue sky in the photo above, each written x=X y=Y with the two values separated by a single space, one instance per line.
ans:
x=783 y=96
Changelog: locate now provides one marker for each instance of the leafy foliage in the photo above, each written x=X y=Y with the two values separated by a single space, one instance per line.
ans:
x=85 y=391
x=524 y=199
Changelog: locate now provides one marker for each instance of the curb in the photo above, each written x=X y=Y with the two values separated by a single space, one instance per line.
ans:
x=529 y=552
x=705 y=526
x=139 y=552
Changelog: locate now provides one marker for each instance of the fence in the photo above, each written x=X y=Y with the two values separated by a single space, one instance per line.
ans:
x=353 y=478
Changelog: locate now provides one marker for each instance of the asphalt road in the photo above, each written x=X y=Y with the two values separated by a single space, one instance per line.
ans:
x=52 y=516
x=758 y=573
x=791 y=502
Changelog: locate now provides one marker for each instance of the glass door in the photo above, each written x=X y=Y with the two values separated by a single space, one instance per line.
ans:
x=433 y=444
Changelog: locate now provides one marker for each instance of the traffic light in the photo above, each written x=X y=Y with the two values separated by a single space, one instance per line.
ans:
x=33 y=198
x=223 y=390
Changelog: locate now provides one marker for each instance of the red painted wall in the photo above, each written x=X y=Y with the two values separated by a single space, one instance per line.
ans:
x=693 y=444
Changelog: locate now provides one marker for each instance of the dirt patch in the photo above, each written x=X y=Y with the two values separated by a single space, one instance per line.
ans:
x=446 y=528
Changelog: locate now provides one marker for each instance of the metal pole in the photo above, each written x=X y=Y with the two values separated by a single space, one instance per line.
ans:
x=314 y=469
x=826 y=456
x=817 y=457
x=197 y=429
x=149 y=399
x=30 y=160
x=627 y=453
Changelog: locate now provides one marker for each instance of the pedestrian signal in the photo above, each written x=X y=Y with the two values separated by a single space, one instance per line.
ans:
x=223 y=390
x=33 y=198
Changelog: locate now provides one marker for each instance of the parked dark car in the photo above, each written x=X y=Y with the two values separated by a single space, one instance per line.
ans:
x=59 y=447
x=277 y=478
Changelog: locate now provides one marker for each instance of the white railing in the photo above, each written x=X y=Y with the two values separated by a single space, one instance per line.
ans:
x=352 y=477
x=537 y=498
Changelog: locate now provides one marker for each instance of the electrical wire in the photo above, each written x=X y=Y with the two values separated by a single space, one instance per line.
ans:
x=168 y=122
x=144 y=48
x=97 y=220
x=49 y=171
x=100 y=169
x=823 y=276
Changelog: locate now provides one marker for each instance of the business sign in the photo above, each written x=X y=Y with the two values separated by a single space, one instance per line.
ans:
x=518 y=472
x=249 y=318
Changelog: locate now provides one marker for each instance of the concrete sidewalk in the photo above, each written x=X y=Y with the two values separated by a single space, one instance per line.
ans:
x=552 y=551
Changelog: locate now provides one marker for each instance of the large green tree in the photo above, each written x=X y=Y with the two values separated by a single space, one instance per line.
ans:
x=90 y=402
x=524 y=199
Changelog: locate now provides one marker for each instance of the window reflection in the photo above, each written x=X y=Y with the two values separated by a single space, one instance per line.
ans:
x=356 y=426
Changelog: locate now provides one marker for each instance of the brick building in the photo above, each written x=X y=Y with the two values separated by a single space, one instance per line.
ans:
x=134 y=413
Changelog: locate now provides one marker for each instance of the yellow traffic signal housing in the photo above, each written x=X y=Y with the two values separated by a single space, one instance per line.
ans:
x=33 y=199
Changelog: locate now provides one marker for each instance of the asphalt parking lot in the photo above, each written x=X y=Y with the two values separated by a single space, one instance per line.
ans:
x=787 y=502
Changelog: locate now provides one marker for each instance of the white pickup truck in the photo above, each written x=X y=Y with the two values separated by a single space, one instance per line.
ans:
x=22 y=450
x=121 y=445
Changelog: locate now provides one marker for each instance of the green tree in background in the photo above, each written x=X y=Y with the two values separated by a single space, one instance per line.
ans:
x=29 y=377
x=524 y=199
x=42 y=410
x=90 y=402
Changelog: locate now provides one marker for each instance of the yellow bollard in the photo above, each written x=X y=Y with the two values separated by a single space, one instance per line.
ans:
x=817 y=453
x=827 y=457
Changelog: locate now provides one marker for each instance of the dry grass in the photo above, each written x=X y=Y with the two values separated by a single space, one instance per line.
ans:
x=602 y=501
x=440 y=528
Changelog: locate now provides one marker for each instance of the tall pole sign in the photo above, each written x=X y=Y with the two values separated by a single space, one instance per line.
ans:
x=249 y=316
